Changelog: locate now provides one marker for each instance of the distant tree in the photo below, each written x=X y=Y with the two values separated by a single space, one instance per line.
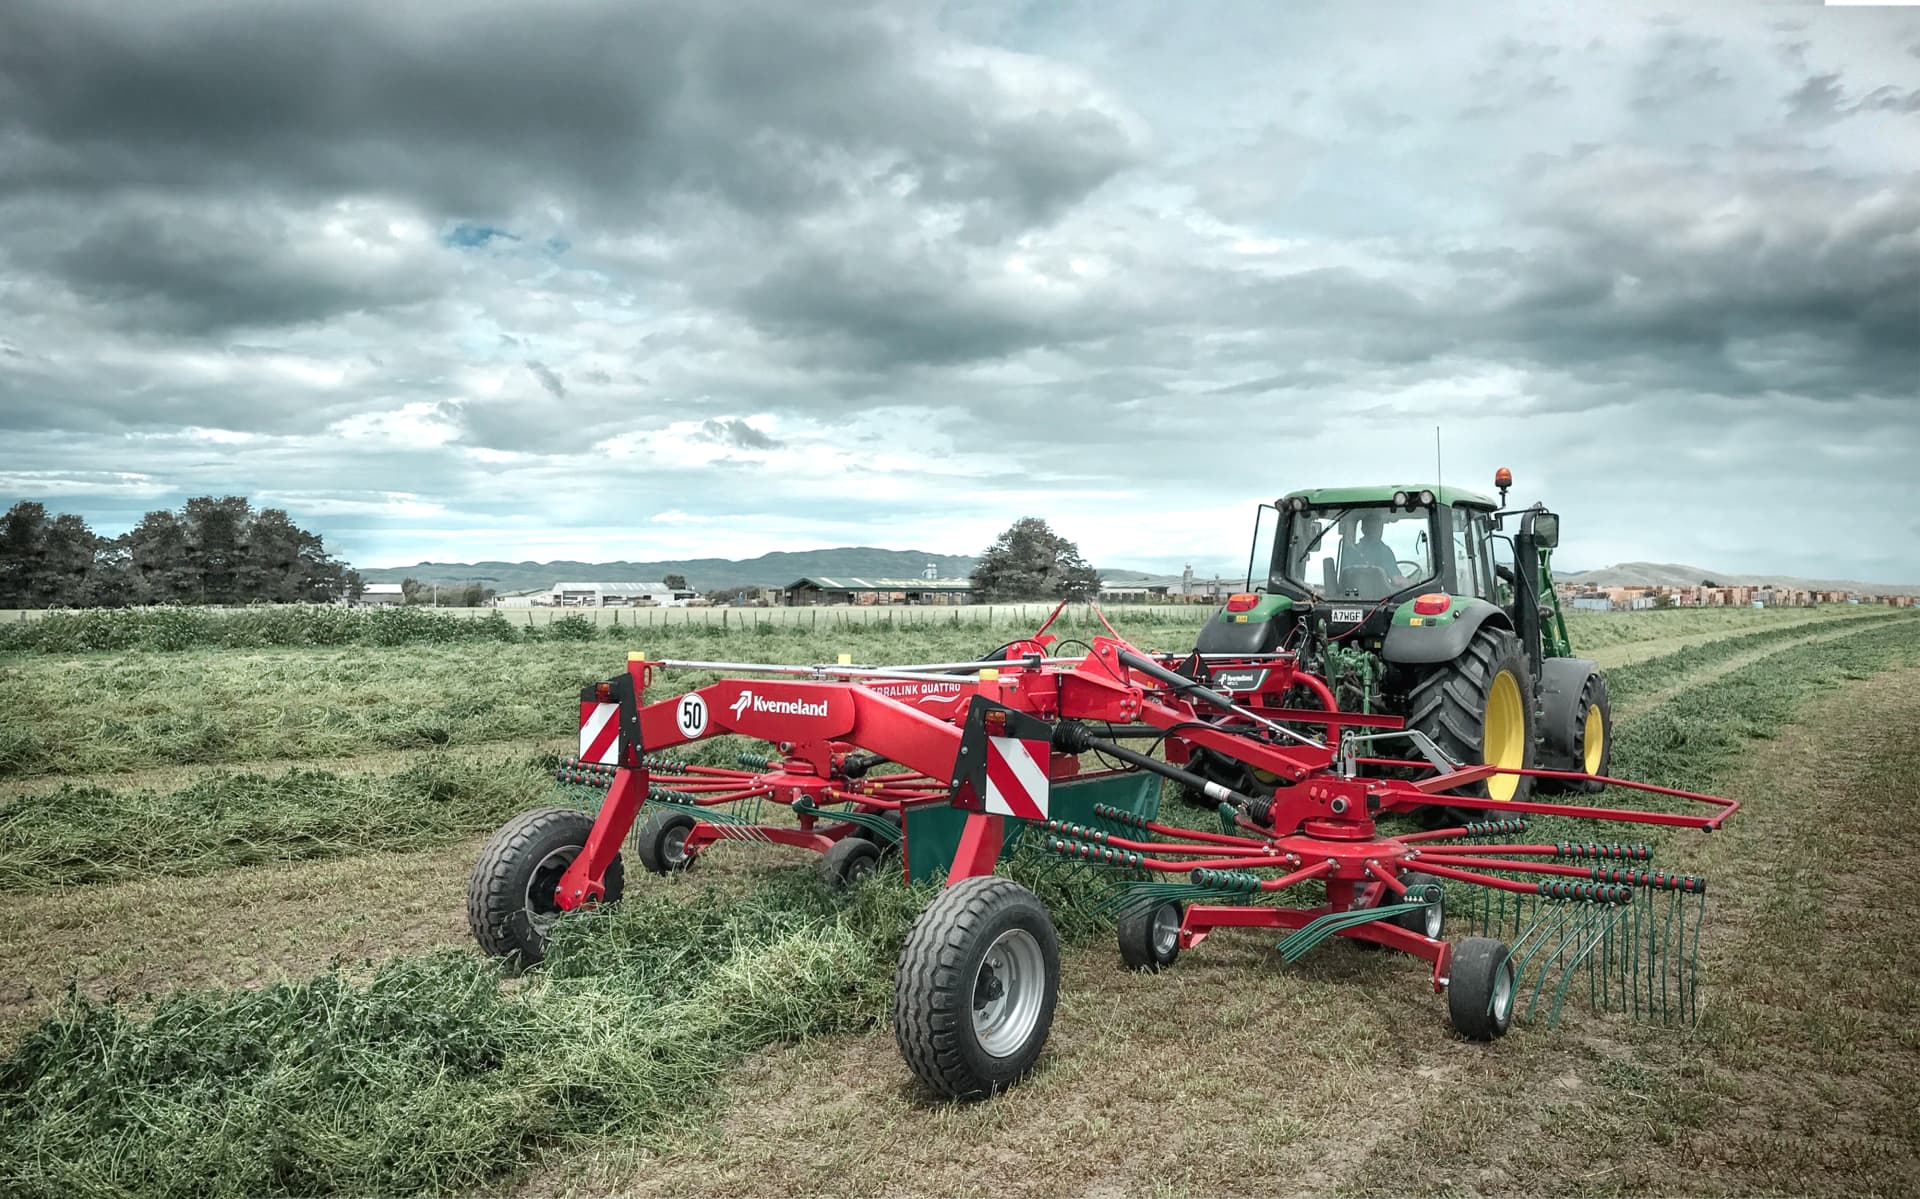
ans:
x=473 y=595
x=1662 y=599
x=413 y=591
x=216 y=551
x=23 y=538
x=675 y=582
x=1031 y=561
x=1708 y=583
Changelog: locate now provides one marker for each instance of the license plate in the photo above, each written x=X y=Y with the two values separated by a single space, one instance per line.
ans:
x=1348 y=615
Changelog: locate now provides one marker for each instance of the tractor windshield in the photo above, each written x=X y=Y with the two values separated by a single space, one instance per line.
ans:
x=1362 y=552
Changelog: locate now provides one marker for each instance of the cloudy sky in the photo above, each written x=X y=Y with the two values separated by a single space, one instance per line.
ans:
x=608 y=280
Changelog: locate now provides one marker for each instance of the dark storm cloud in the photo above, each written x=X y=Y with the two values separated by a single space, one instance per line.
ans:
x=549 y=379
x=737 y=433
x=1822 y=99
x=480 y=109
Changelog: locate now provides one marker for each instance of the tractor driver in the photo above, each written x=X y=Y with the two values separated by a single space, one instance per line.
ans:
x=1370 y=550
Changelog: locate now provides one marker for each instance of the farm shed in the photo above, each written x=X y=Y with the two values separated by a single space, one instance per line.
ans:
x=813 y=590
x=375 y=594
x=615 y=595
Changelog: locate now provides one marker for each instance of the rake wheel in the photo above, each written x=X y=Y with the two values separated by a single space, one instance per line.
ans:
x=974 y=993
x=511 y=903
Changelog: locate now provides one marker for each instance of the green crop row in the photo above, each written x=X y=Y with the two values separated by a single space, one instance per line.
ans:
x=78 y=834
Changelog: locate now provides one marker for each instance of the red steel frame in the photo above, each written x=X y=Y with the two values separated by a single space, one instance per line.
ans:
x=1322 y=828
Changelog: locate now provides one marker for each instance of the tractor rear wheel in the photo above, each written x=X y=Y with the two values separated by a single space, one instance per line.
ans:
x=511 y=902
x=974 y=993
x=1479 y=709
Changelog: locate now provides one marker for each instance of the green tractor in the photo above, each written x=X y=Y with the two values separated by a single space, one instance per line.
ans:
x=1413 y=601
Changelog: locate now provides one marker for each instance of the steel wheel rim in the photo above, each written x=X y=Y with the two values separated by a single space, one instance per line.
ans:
x=1166 y=930
x=1431 y=920
x=1503 y=735
x=673 y=846
x=1007 y=992
x=543 y=905
x=1595 y=739
x=1502 y=1005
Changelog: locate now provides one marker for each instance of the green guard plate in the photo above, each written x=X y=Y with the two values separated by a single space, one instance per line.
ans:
x=933 y=832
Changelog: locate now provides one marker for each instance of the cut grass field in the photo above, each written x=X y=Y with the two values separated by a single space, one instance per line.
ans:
x=586 y=1107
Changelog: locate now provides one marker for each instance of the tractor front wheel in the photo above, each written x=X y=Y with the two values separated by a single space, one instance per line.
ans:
x=974 y=993
x=1479 y=709
x=1480 y=989
x=1579 y=724
x=511 y=897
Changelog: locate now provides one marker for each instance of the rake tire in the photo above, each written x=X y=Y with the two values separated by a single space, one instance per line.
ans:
x=939 y=986
x=662 y=840
x=849 y=862
x=1144 y=943
x=510 y=905
x=1481 y=989
x=1416 y=922
x=1449 y=704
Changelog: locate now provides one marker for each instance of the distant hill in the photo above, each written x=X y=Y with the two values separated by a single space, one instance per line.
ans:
x=1673 y=574
x=702 y=574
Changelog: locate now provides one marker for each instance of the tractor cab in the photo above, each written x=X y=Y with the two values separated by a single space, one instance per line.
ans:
x=1357 y=555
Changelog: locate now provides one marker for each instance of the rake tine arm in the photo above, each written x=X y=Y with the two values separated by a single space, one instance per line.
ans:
x=1479 y=880
x=1423 y=862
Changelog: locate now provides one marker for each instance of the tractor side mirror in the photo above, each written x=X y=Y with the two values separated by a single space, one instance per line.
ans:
x=1546 y=530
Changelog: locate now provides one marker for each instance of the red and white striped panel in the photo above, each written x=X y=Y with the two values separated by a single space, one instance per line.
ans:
x=600 y=734
x=1017 y=778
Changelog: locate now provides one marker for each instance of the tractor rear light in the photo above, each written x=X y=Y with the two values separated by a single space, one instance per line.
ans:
x=1245 y=601
x=1432 y=604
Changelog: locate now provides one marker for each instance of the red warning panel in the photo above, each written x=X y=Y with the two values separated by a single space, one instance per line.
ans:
x=600 y=733
x=1001 y=767
x=1017 y=778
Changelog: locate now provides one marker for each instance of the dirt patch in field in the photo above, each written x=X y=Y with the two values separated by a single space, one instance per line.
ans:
x=1229 y=1074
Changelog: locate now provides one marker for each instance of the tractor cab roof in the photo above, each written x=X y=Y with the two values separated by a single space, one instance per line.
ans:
x=1319 y=497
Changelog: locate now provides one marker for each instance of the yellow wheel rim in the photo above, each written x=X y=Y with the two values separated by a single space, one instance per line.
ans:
x=1504 y=735
x=1595 y=739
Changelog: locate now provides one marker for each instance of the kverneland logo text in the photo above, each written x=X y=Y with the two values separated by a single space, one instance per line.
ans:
x=749 y=702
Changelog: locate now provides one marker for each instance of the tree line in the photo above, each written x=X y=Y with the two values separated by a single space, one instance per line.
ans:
x=211 y=551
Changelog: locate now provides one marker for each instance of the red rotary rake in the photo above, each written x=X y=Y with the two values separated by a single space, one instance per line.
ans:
x=947 y=764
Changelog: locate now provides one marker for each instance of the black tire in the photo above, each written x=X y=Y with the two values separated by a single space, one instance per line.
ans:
x=1449 y=703
x=1427 y=923
x=943 y=991
x=1573 y=739
x=662 y=842
x=510 y=895
x=849 y=862
x=1150 y=935
x=1480 y=989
